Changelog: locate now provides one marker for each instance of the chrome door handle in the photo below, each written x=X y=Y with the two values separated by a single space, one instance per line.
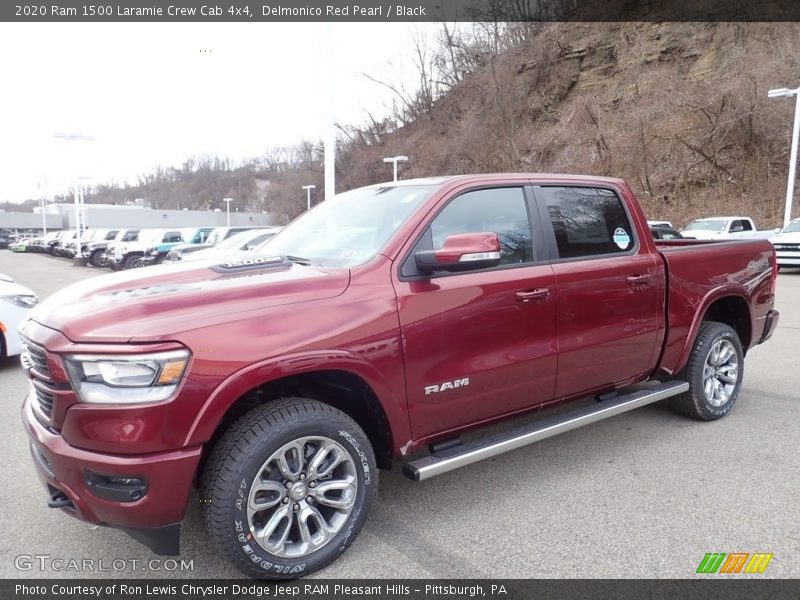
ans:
x=639 y=279
x=529 y=295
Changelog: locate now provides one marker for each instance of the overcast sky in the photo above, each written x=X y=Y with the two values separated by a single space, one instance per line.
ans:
x=156 y=94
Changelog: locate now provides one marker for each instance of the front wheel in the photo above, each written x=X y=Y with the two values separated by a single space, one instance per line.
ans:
x=714 y=372
x=288 y=487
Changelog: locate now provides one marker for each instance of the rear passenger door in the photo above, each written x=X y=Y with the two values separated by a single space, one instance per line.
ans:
x=609 y=289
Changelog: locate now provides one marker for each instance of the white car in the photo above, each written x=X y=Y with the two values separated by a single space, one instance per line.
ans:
x=16 y=302
x=787 y=245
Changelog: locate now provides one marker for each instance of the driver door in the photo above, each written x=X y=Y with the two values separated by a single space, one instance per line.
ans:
x=478 y=344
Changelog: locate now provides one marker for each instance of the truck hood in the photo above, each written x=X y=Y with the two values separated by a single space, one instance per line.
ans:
x=158 y=303
x=786 y=238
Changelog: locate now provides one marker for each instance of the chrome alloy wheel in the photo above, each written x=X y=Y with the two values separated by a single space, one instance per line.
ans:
x=720 y=372
x=302 y=496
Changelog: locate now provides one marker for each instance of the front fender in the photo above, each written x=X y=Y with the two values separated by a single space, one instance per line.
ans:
x=391 y=397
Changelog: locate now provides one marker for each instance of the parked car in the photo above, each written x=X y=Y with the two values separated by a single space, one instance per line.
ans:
x=16 y=302
x=237 y=246
x=19 y=245
x=663 y=232
x=219 y=234
x=52 y=240
x=386 y=322
x=62 y=245
x=4 y=239
x=96 y=251
x=194 y=235
x=129 y=255
x=787 y=245
x=725 y=228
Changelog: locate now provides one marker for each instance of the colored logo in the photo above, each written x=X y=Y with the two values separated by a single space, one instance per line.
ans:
x=736 y=562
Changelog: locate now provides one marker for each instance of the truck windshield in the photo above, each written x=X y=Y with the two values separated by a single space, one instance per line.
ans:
x=350 y=228
x=707 y=225
x=792 y=227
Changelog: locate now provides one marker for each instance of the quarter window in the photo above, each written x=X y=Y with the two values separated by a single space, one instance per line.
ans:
x=499 y=210
x=587 y=221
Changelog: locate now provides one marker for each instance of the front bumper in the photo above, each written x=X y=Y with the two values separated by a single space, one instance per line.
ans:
x=153 y=519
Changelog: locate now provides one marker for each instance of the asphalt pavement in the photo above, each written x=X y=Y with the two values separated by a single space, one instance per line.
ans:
x=645 y=494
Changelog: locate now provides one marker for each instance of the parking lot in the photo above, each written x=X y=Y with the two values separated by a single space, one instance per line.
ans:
x=645 y=494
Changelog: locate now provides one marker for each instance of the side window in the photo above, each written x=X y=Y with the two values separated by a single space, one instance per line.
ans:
x=499 y=210
x=746 y=226
x=171 y=237
x=587 y=221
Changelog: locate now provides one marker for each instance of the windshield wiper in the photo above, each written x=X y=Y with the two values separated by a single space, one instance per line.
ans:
x=299 y=260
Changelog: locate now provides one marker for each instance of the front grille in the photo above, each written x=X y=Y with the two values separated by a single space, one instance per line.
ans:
x=37 y=357
x=787 y=246
x=44 y=400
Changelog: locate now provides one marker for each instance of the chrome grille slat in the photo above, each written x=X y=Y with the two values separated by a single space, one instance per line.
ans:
x=37 y=357
x=45 y=402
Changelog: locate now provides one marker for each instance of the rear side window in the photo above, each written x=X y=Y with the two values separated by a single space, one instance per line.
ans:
x=587 y=221
x=499 y=210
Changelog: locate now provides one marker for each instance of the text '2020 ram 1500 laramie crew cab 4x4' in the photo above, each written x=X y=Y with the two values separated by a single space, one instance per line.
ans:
x=383 y=323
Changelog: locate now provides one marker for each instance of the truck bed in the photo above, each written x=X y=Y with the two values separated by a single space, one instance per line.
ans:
x=698 y=272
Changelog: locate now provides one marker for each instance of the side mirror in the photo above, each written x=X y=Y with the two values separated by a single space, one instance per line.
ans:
x=737 y=228
x=461 y=252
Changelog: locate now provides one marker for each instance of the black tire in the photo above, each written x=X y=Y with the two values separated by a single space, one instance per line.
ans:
x=695 y=403
x=129 y=261
x=95 y=259
x=238 y=458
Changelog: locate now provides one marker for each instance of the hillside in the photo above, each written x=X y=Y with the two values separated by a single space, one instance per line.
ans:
x=680 y=110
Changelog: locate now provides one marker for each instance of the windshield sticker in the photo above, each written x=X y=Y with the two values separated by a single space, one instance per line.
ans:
x=621 y=238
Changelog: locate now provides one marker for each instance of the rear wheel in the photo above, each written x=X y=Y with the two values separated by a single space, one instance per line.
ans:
x=714 y=373
x=288 y=487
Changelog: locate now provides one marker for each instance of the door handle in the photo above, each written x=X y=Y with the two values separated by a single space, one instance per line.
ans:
x=639 y=279
x=529 y=295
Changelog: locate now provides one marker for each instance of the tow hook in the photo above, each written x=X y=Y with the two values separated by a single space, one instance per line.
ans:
x=59 y=499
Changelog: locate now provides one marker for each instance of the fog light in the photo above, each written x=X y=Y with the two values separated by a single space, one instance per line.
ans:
x=117 y=488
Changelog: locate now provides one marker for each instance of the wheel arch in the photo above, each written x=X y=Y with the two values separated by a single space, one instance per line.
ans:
x=359 y=394
x=726 y=307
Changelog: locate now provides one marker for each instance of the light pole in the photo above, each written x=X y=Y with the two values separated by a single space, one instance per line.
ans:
x=394 y=160
x=308 y=189
x=44 y=216
x=75 y=137
x=227 y=202
x=787 y=93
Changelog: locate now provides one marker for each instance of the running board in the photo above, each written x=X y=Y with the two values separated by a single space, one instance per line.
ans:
x=462 y=455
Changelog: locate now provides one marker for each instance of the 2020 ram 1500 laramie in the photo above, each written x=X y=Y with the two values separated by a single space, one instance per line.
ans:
x=384 y=323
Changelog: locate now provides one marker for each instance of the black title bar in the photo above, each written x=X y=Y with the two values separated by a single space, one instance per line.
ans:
x=263 y=11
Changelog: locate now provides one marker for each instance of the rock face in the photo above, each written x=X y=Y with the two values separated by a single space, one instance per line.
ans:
x=680 y=110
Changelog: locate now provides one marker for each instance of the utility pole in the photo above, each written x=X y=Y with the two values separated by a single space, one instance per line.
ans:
x=787 y=93
x=227 y=202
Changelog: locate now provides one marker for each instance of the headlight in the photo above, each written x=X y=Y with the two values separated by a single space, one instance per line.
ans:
x=23 y=300
x=131 y=379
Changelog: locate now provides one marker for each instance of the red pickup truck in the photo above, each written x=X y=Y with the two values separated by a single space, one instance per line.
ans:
x=375 y=329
